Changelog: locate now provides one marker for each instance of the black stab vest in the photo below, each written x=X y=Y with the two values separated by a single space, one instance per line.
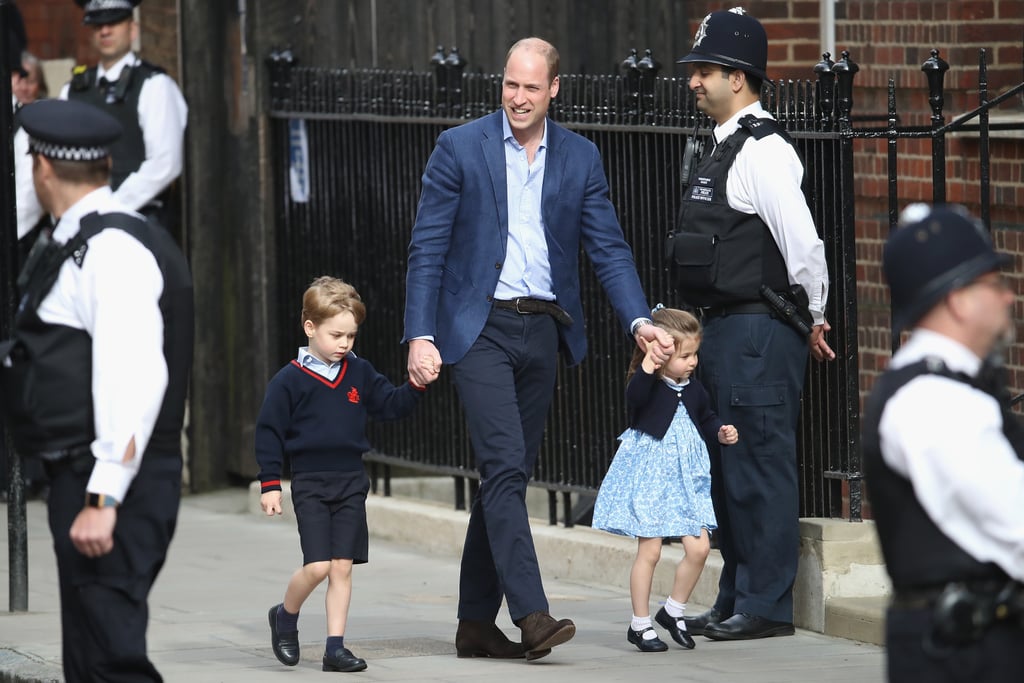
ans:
x=121 y=100
x=47 y=386
x=722 y=256
x=917 y=553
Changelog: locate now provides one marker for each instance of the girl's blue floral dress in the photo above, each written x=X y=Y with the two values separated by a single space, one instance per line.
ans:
x=658 y=488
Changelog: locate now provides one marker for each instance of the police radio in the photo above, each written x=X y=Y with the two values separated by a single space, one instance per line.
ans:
x=692 y=154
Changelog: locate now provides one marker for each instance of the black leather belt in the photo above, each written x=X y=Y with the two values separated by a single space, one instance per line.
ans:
x=735 y=309
x=525 y=306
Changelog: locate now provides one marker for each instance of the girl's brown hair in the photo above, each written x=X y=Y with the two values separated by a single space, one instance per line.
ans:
x=681 y=325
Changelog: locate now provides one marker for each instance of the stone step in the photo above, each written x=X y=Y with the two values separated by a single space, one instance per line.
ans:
x=860 y=619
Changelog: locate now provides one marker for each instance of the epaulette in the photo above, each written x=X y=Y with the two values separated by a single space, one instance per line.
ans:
x=762 y=127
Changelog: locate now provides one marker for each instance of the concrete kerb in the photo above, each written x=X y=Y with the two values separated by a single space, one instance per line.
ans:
x=841 y=586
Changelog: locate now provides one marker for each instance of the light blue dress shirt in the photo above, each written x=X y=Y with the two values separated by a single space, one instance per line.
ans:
x=526 y=270
x=308 y=360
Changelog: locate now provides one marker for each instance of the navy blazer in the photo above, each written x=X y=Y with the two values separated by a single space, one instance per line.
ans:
x=461 y=230
x=651 y=404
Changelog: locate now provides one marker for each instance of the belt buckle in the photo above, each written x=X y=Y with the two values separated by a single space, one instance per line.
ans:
x=519 y=310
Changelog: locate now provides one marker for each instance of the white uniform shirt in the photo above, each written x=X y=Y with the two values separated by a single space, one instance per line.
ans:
x=114 y=296
x=765 y=180
x=29 y=210
x=946 y=438
x=162 y=117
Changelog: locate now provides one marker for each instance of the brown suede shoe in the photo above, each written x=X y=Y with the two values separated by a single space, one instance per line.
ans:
x=541 y=633
x=485 y=639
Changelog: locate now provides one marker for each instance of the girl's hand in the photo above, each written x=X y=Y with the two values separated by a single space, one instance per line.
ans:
x=271 y=503
x=651 y=360
x=728 y=435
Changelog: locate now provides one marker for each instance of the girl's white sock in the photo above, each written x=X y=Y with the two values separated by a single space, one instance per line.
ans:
x=641 y=624
x=674 y=609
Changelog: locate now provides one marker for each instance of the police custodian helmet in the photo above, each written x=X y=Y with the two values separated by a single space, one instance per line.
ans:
x=731 y=38
x=102 y=12
x=69 y=130
x=933 y=252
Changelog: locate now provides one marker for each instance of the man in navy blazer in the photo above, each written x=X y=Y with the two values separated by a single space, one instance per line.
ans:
x=493 y=290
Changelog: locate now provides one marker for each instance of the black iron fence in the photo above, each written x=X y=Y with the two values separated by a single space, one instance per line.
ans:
x=349 y=149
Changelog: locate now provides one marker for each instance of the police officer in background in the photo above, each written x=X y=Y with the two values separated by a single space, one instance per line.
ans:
x=943 y=458
x=746 y=248
x=147 y=103
x=93 y=383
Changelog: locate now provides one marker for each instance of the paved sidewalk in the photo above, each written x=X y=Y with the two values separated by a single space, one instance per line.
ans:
x=227 y=566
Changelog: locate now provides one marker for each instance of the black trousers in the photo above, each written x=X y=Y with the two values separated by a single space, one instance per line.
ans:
x=912 y=655
x=753 y=366
x=506 y=383
x=104 y=610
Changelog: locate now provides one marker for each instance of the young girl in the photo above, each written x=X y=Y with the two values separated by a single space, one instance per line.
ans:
x=315 y=413
x=659 y=483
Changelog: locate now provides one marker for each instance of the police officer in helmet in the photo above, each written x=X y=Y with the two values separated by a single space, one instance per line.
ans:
x=745 y=249
x=148 y=157
x=943 y=457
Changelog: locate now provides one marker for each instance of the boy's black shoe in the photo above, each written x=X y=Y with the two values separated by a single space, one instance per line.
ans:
x=671 y=624
x=654 y=644
x=342 y=659
x=286 y=645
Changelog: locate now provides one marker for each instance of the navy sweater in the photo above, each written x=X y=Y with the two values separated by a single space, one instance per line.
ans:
x=319 y=424
x=650 y=405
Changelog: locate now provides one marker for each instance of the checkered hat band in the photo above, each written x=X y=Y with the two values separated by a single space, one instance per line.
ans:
x=66 y=152
x=100 y=5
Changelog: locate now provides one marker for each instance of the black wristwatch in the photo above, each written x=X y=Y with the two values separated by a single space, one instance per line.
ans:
x=99 y=500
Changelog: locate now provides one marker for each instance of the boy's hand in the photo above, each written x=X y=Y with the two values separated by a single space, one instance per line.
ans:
x=271 y=503
x=424 y=364
x=728 y=435
x=430 y=370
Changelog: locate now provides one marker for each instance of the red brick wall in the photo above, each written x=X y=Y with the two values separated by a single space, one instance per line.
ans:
x=55 y=31
x=891 y=40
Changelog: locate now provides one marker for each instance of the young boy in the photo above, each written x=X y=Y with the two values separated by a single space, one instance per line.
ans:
x=315 y=413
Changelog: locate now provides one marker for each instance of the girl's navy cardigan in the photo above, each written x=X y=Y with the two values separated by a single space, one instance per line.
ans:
x=650 y=405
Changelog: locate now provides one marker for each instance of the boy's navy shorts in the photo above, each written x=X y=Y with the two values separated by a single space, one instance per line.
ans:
x=330 y=508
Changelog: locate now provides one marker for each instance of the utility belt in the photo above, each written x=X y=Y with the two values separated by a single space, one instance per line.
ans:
x=712 y=312
x=789 y=307
x=963 y=611
x=78 y=460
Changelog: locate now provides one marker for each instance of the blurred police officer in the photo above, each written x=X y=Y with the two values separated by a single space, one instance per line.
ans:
x=94 y=383
x=145 y=100
x=942 y=455
x=744 y=224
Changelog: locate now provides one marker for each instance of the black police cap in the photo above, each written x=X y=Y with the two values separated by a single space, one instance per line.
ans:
x=106 y=11
x=68 y=130
x=933 y=252
x=731 y=38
